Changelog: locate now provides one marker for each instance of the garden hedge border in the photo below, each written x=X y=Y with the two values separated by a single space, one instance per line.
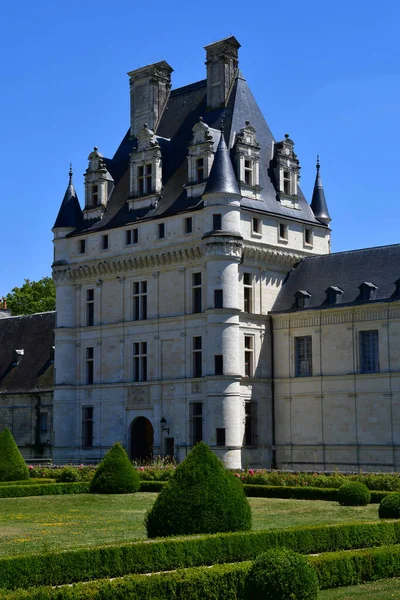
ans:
x=33 y=481
x=57 y=568
x=302 y=493
x=47 y=489
x=335 y=569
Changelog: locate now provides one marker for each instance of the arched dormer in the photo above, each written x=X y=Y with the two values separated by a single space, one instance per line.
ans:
x=200 y=158
x=145 y=170
x=98 y=186
x=287 y=172
x=247 y=159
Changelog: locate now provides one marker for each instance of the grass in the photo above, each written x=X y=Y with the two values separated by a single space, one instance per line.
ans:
x=42 y=523
x=385 y=589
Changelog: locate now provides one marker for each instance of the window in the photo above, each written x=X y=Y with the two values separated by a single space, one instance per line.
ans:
x=218 y=298
x=286 y=182
x=132 y=236
x=161 y=231
x=87 y=426
x=219 y=364
x=144 y=179
x=197 y=357
x=303 y=356
x=248 y=293
x=197 y=422
x=283 y=231
x=220 y=437
x=140 y=361
x=250 y=424
x=139 y=300
x=248 y=172
x=188 y=225
x=308 y=237
x=43 y=422
x=256 y=225
x=82 y=246
x=94 y=195
x=369 y=351
x=104 y=242
x=89 y=365
x=199 y=170
x=248 y=355
x=217 y=222
x=196 y=292
x=89 y=308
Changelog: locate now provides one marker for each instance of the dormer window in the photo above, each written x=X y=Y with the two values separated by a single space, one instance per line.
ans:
x=247 y=159
x=200 y=157
x=145 y=171
x=286 y=172
x=98 y=186
x=248 y=172
x=286 y=182
x=302 y=299
x=367 y=291
x=94 y=195
x=144 y=179
x=332 y=294
x=199 y=170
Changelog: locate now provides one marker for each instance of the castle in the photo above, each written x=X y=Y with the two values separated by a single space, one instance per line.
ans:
x=197 y=298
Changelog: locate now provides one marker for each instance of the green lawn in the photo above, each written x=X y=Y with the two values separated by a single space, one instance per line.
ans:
x=386 y=589
x=41 y=523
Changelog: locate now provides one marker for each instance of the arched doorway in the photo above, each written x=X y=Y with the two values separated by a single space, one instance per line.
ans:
x=142 y=439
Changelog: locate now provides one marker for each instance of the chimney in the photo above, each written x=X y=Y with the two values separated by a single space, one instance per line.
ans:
x=150 y=87
x=222 y=61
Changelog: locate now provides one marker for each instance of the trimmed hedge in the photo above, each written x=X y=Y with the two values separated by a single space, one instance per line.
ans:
x=354 y=493
x=48 y=489
x=37 y=481
x=335 y=569
x=115 y=474
x=56 y=568
x=12 y=464
x=389 y=508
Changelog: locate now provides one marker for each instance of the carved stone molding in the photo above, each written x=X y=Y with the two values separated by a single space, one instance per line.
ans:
x=139 y=396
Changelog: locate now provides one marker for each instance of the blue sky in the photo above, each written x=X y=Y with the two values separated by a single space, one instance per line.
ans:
x=327 y=73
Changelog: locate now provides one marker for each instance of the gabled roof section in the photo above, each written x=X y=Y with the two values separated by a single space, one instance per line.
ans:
x=345 y=271
x=70 y=213
x=34 y=369
x=318 y=203
x=222 y=178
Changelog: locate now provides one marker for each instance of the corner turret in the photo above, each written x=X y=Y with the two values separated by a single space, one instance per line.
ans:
x=70 y=213
x=318 y=203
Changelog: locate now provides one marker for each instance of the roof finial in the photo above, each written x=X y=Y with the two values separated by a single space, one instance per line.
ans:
x=318 y=165
x=222 y=123
x=70 y=172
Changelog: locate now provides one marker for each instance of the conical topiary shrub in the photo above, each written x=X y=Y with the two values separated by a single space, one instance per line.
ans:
x=201 y=497
x=115 y=474
x=12 y=464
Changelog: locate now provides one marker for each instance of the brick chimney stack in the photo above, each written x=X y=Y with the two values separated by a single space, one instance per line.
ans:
x=222 y=59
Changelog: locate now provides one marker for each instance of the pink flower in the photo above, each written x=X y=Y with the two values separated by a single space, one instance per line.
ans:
x=141 y=468
x=237 y=475
x=30 y=466
x=81 y=466
x=251 y=472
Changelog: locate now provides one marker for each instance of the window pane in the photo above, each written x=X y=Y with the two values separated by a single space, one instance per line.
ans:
x=303 y=356
x=369 y=347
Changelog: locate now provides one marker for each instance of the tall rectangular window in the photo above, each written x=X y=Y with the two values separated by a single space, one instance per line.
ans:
x=196 y=292
x=247 y=293
x=144 y=175
x=140 y=361
x=250 y=424
x=43 y=422
x=90 y=307
x=256 y=225
x=220 y=437
x=303 y=356
x=283 y=231
x=161 y=231
x=188 y=225
x=369 y=351
x=308 y=236
x=248 y=355
x=199 y=170
x=104 y=242
x=286 y=182
x=87 y=426
x=217 y=222
x=94 y=195
x=248 y=172
x=132 y=236
x=196 y=416
x=89 y=365
x=82 y=246
x=218 y=298
x=218 y=364
x=139 y=300
x=197 y=357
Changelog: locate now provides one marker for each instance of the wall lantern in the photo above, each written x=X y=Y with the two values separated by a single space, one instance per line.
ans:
x=163 y=424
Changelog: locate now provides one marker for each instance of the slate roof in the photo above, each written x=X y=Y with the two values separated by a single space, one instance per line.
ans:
x=222 y=178
x=35 y=335
x=318 y=202
x=345 y=270
x=184 y=108
x=70 y=214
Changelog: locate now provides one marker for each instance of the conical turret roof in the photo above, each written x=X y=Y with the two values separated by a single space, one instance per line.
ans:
x=222 y=178
x=318 y=202
x=70 y=213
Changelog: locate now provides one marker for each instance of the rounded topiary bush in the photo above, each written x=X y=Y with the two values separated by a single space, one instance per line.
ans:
x=201 y=497
x=389 y=507
x=281 y=574
x=354 y=493
x=115 y=474
x=12 y=463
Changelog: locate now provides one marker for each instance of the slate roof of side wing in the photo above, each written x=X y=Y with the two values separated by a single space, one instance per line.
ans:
x=34 y=334
x=345 y=270
x=184 y=108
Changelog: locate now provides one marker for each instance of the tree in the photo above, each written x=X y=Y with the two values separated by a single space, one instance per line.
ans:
x=115 y=474
x=12 y=464
x=32 y=297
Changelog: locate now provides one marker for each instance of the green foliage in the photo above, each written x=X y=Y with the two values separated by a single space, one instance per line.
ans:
x=202 y=497
x=57 y=568
x=281 y=575
x=32 y=297
x=68 y=475
x=354 y=493
x=26 y=482
x=12 y=464
x=63 y=474
x=299 y=493
x=42 y=489
x=115 y=474
x=389 y=507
